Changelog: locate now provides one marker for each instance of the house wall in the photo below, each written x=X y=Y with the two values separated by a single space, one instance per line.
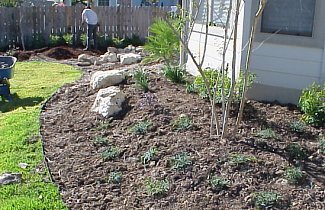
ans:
x=285 y=64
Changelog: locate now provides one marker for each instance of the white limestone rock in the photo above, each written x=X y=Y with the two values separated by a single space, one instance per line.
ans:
x=87 y=58
x=109 y=58
x=108 y=101
x=103 y=79
x=130 y=58
x=111 y=50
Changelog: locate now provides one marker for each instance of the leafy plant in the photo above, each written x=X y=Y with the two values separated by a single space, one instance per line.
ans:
x=55 y=40
x=162 y=43
x=182 y=123
x=99 y=140
x=103 y=126
x=312 y=104
x=266 y=200
x=118 y=42
x=214 y=78
x=111 y=153
x=141 y=79
x=148 y=155
x=141 y=128
x=68 y=39
x=239 y=159
x=180 y=161
x=156 y=187
x=190 y=88
x=218 y=182
x=294 y=175
x=295 y=151
x=267 y=134
x=115 y=177
x=175 y=74
x=297 y=126
x=83 y=39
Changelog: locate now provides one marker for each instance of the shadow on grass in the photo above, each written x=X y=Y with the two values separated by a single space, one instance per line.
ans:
x=16 y=102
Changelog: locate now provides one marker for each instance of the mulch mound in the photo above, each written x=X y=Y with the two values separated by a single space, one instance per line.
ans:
x=69 y=132
x=60 y=53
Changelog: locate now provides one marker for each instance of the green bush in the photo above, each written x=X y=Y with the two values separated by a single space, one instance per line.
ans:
x=294 y=175
x=162 y=43
x=68 y=39
x=312 y=104
x=175 y=74
x=215 y=80
x=297 y=152
x=156 y=187
x=182 y=123
x=55 y=40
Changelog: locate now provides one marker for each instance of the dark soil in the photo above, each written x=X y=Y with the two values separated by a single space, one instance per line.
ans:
x=69 y=131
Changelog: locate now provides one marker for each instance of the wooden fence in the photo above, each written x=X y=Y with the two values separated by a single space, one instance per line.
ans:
x=27 y=23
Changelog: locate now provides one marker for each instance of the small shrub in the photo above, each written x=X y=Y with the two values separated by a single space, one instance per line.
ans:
x=68 y=39
x=156 y=187
x=141 y=79
x=182 y=123
x=218 y=183
x=267 y=134
x=148 y=155
x=190 y=88
x=115 y=177
x=297 y=126
x=83 y=39
x=266 y=200
x=180 y=161
x=99 y=140
x=294 y=175
x=56 y=40
x=175 y=74
x=312 y=104
x=118 y=42
x=295 y=151
x=141 y=128
x=239 y=159
x=111 y=153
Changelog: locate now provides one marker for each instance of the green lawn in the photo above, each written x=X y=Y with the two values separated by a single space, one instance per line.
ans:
x=20 y=141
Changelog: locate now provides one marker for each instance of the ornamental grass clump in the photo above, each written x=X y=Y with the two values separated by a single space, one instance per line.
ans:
x=296 y=152
x=99 y=141
x=239 y=159
x=156 y=187
x=141 y=79
x=297 y=126
x=175 y=74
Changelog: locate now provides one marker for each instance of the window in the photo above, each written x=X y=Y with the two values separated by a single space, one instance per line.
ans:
x=103 y=2
x=292 y=17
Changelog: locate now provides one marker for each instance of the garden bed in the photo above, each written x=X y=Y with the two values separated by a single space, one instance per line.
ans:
x=252 y=161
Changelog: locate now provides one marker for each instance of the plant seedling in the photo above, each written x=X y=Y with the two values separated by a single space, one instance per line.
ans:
x=180 y=161
x=294 y=175
x=295 y=151
x=111 y=153
x=218 y=182
x=156 y=187
x=148 y=155
x=182 y=123
x=175 y=74
x=239 y=159
x=297 y=126
x=266 y=200
x=99 y=140
x=141 y=79
x=115 y=177
x=103 y=126
x=140 y=128
x=267 y=134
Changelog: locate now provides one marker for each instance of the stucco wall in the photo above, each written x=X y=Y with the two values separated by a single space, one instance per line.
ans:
x=285 y=64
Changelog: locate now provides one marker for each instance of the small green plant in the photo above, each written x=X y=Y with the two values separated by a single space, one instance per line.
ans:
x=295 y=151
x=99 y=140
x=180 y=161
x=118 y=42
x=190 y=88
x=141 y=79
x=175 y=74
x=266 y=199
x=182 y=123
x=111 y=153
x=294 y=175
x=55 y=40
x=312 y=104
x=297 y=126
x=141 y=127
x=156 y=187
x=239 y=159
x=68 y=39
x=115 y=177
x=83 y=39
x=322 y=145
x=218 y=182
x=148 y=155
x=267 y=134
x=103 y=126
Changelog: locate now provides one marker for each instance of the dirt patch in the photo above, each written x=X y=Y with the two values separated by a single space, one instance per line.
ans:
x=60 y=53
x=70 y=130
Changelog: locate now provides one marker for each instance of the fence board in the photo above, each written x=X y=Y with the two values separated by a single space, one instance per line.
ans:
x=121 y=21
